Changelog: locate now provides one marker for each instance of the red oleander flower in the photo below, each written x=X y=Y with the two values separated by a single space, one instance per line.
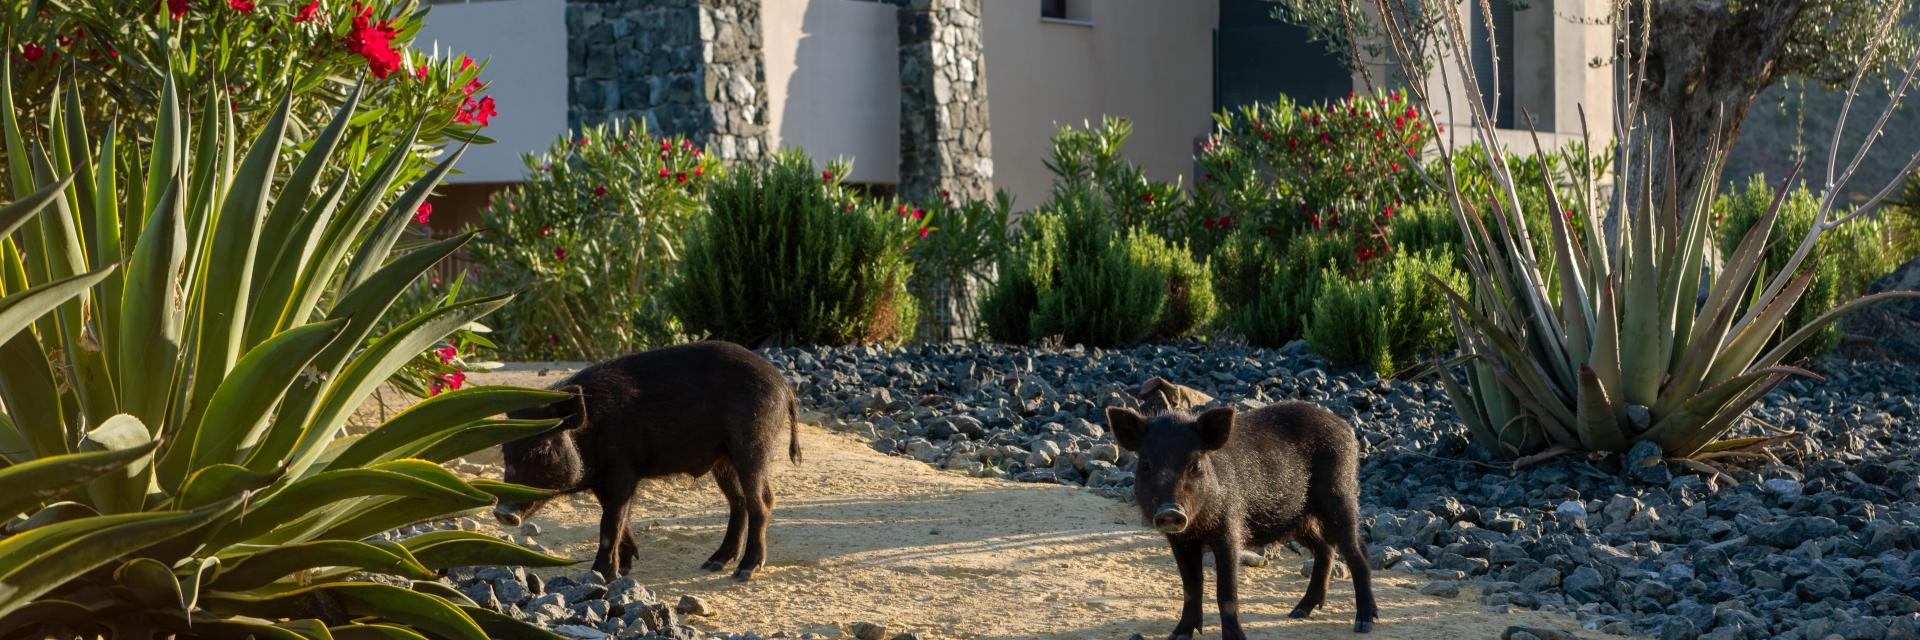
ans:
x=374 y=41
x=686 y=145
x=1146 y=197
x=1412 y=112
x=580 y=141
x=483 y=112
x=306 y=12
x=1206 y=223
x=33 y=52
x=919 y=214
x=446 y=354
x=664 y=173
x=903 y=210
x=698 y=172
x=826 y=176
x=682 y=177
x=454 y=380
x=242 y=6
x=600 y=192
x=546 y=231
x=553 y=338
x=923 y=232
x=465 y=63
x=420 y=72
x=560 y=253
x=421 y=214
x=1400 y=122
x=175 y=8
x=1395 y=166
x=473 y=86
x=665 y=146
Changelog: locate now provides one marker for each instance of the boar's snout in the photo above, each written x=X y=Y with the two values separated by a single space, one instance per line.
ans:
x=508 y=514
x=1169 y=519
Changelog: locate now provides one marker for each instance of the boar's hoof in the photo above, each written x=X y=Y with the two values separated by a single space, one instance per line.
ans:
x=743 y=575
x=1364 y=626
x=1300 y=613
x=1180 y=636
x=714 y=565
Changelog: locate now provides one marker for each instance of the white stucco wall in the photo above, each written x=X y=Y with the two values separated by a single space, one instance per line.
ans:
x=1150 y=61
x=525 y=44
x=833 y=82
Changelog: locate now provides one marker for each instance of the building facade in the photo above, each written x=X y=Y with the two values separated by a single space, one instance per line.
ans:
x=954 y=95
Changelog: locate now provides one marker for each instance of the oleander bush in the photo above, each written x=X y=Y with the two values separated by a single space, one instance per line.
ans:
x=1845 y=261
x=953 y=261
x=182 y=356
x=1091 y=265
x=787 y=254
x=590 y=241
x=247 y=55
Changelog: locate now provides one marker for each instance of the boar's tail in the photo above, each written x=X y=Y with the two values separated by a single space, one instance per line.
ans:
x=793 y=432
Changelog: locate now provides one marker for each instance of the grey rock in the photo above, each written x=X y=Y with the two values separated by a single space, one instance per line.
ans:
x=693 y=605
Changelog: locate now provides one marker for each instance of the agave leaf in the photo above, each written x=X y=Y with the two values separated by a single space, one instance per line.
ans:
x=125 y=489
x=445 y=592
x=19 y=311
x=36 y=481
x=378 y=363
x=37 y=561
x=282 y=249
x=150 y=331
x=510 y=493
x=244 y=400
x=264 y=567
x=505 y=627
x=381 y=632
x=16 y=145
x=414 y=480
x=1716 y=317
x=243 y=629
x=1748 y=338
x=1808 y=330
x=32 y=398
x=341 y=234
x=1599 y=422
x=359 y=599
x=150 y=583
x=18 y=212
x=444 y=549
x=373 y=253
x=480 y=435
x=191 y=586
x=217 y=482
x=1673 y=430
x=277 y=307
x=435 y=417
x=106 y=246
x=226 y=279
x=50 y=612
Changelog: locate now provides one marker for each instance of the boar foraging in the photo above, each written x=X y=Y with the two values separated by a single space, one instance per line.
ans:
x=694 y=409
x=1220 y=482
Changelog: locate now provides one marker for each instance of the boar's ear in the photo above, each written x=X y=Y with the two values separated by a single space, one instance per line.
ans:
x=577 y=406
x=1216 y=425
x=1127 y=427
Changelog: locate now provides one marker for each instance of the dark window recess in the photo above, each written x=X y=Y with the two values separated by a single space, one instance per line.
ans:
x=1484 y=54
x=1257 y=58
x=1056 y=9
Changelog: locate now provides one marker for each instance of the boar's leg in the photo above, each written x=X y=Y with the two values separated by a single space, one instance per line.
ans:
x=1189 y=555
x=729 y=482
x=1226 y=572
x=1340 y=524
x=614 y=495
x=628 y=549
x=759 y=498
x=1308 y=534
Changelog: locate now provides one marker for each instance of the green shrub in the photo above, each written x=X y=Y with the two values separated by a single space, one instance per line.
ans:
x=1386 y=320
x=1267 y=294
x=172 y=444
x=1090 y=265
x=590 y=239
x=1845 y=260
x=791 y=255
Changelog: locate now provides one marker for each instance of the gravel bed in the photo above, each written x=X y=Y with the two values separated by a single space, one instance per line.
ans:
x=1818 y=543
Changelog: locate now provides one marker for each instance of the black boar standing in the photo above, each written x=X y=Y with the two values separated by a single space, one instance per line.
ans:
x=689 y=409
x=1219 y=482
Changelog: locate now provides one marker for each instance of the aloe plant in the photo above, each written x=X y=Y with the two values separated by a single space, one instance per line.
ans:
x=1646 y=334
x=184 y=343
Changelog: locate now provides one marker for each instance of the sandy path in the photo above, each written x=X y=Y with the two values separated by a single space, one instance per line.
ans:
x=862 y=537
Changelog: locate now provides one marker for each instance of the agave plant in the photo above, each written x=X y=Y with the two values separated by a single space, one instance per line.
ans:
x=184 y=344
x=1642 y=334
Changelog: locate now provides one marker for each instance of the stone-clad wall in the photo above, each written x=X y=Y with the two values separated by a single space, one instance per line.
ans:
x=944 y=144
x=687 y=67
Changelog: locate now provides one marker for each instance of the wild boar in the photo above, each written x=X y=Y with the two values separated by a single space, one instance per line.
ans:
x=688 y=409
x=1220 y=481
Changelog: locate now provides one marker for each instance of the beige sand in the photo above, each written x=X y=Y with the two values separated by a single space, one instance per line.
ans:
x=862 y=537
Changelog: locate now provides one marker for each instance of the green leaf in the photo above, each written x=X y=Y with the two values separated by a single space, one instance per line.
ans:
x=36 y=481
x=481 y=435
x=360 y=599
x=150 y=330
x=501 y=626
x=211 y=484
x=282 y=248
x=19 y=311
x=123 y=490
x=151 y=584
x=37 y=561
x=244 y=400
x=264 y=567
x=445 y=549
x=373 y=253
x=413 y=480
x=18 y=212
x=438 y=416
x=376 y=632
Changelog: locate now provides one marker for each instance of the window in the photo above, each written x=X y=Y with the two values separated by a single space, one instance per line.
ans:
x=1069 y=11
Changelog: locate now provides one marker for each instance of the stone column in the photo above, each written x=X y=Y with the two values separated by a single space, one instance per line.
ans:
x=688 y=67
x=944 y=145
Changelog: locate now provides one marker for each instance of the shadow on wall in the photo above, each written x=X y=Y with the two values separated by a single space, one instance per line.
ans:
x=842 y=92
